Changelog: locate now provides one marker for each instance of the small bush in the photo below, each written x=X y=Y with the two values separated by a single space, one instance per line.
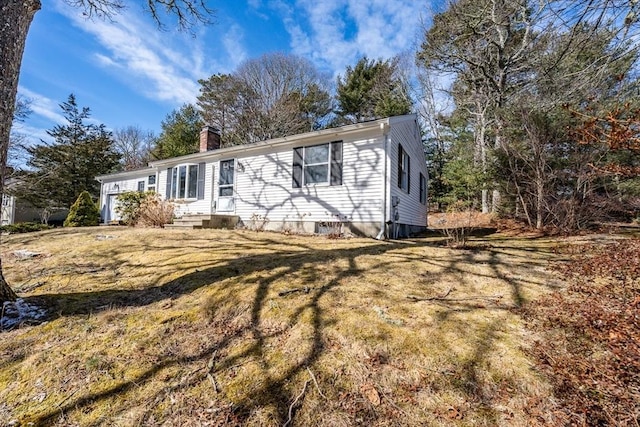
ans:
x=154 y=212
x=24 y=227
x=129 y=205
x=83 y=212
x=459 y=224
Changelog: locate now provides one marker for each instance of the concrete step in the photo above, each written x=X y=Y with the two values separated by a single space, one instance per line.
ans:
x=182 y=227
x=192 y=221
x=200 y=222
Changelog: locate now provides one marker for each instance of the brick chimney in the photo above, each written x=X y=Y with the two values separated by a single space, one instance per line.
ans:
x=209 y=139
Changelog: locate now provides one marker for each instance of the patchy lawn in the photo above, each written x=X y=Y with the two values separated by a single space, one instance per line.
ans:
x=215 y=327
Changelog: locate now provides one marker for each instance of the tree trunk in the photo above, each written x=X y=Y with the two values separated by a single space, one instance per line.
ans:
x=15 y=19
x=6 y=293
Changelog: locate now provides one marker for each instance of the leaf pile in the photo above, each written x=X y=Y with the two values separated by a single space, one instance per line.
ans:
x=590 y=345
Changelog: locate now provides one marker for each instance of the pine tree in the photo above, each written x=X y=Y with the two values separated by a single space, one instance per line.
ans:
x=83 y=213
x=60 y=171
x=371 y=90
x=180 y=130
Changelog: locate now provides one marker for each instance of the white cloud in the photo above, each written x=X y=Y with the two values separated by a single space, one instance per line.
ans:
x=336 y=33
x=232 y=42
x=32 y=134
x=151 y=61
x=42 y=106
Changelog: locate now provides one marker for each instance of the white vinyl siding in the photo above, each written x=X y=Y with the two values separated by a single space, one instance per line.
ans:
x=263 y=187
x=264 y=184
x=406 y=133
x=120 y=183
x=193 y=205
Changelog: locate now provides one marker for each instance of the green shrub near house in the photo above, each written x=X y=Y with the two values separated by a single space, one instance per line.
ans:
x=129 y=205
x=83 y=212
x=24 y=227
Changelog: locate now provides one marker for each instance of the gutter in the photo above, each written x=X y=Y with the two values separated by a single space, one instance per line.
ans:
x=385 y=147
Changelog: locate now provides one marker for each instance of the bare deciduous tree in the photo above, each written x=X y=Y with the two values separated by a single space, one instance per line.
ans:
x=270 y=96
x=135 y=145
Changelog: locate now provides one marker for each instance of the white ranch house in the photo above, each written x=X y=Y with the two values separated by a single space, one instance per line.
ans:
x=371 y=177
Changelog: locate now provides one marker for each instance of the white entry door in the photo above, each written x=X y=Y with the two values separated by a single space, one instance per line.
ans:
x=112 y=203
x=226 y=184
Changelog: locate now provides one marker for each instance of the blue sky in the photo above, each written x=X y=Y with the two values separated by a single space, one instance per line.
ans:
x=129 y=73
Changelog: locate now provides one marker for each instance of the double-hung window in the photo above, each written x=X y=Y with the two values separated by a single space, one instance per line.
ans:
x=423 y=189
x=141 y=186
x=404 y=169
x=186 y=181
x=317 y=164
x=151 y=183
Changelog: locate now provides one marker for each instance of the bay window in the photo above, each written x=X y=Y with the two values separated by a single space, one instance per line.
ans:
x=186 y=181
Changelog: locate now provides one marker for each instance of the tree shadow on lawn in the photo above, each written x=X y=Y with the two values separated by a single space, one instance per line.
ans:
x=274 y=390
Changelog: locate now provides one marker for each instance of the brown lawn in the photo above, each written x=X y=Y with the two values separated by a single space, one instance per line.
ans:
x=214 y=327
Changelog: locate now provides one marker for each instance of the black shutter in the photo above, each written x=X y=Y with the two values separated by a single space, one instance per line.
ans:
x=297 y=168
x=201 y=174
x=336 y=163
x=408 y=174
x=400 y=165
x=168 y=189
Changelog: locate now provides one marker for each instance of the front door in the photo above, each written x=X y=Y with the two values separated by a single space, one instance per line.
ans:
x=226 y=200
x=112 y=204
x=213 y=189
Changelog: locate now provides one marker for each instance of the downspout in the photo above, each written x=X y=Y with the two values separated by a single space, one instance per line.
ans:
x=383 y=223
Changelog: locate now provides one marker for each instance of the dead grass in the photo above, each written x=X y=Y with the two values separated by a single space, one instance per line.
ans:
x=167 y=327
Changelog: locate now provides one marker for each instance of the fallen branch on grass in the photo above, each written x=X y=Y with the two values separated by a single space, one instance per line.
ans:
x=443 y=297
x=304 y=388
x=292 y=291
x=440 y=297
x=316 y=383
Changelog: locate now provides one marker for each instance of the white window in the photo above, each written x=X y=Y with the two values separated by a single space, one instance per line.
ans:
x=423 y=189
x=183 y=182
x=151 y=183
x=317 y=164
x=141 y=186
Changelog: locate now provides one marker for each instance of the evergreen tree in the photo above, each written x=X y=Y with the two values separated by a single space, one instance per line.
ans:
x=60 y=171
x=15 y=20
x=180 y=133
x=83 y=213
x=371 y=90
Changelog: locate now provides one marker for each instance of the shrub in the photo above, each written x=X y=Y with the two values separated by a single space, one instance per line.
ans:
x=129 y=205
x=24 y=227
x=83 y=212
x=154 y=212
x=459 y=224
